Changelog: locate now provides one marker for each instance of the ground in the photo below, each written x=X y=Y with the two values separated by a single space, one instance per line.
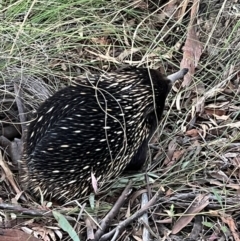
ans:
x=192 y=177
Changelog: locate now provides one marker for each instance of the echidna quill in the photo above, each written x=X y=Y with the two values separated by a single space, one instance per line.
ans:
x=100 y=126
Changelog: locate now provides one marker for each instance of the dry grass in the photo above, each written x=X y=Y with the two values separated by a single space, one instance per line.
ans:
x=44 y=43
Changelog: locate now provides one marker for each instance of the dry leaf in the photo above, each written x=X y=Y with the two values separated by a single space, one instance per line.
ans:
x=192 y=49
x=45 y=233
x=220 y=175
x=236 y=162
x=231 y=185
x=223 y=117
x=200 y=202
x=177 y=155
x=182 y=11
x=192 y=133
x=169 y=192
x=9 y=174
x=218 y=105
x=15 y=235
x=170 y=8
x=175 y=9
x=140 y=4
x=215 y=112
x=94 y=183
x=200 y=105
x=171 y=148
x=101 y=40
x=232 y=226
x=137 y=238
x=90 y=233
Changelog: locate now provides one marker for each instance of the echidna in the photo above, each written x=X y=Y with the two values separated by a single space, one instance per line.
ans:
x=98 y=126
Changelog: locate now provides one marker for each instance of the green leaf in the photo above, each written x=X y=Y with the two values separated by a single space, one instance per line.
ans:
x=208 y=224
x=65 y=225
x=49 y=204
x=217 y=196
x=92 y=200
x=224 y=229
x=185 y=164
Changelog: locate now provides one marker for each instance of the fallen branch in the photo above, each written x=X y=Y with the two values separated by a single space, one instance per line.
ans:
x=115 y=209
x=126 y=222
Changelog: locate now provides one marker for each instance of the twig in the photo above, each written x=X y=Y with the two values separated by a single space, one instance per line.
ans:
x=79 y=215
x=21 y=112
x=197 y=227
x=147 y=226
x=144 y=218
x=9 y=174
x=30 y=212
x=126 y=222
x=115 y=209
x=89 y=226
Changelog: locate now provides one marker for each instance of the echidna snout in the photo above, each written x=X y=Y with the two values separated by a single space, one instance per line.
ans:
x=100 y=125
